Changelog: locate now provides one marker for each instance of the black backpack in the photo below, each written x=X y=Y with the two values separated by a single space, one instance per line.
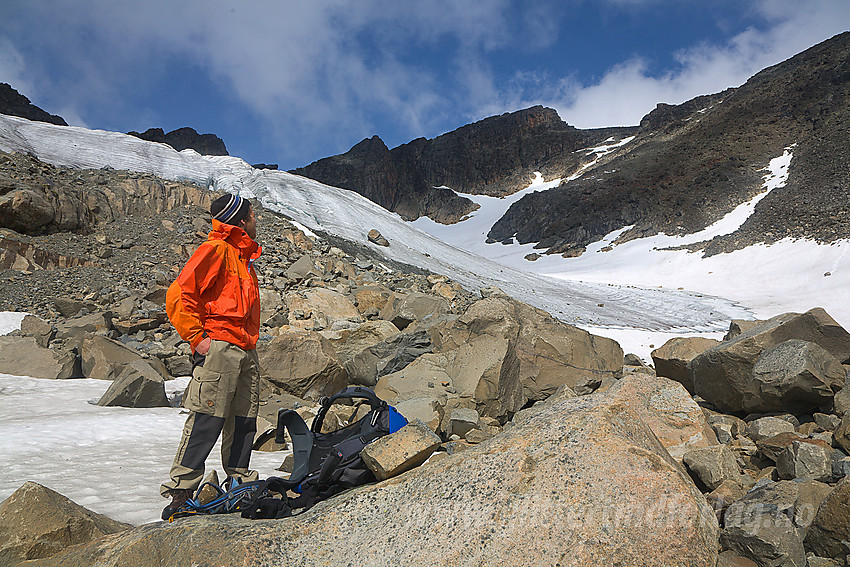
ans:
x=324 y=463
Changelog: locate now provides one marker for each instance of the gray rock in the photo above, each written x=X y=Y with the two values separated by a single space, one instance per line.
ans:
x=712 y=465
x=462 y=421
x=761 y=527
x=723 y=375
x=766 y=427
x=796 y=375
x=401 y=451
x=138 y=386
x=827 y=421
x=390 y=355
x=672 y=358
x=806 y=459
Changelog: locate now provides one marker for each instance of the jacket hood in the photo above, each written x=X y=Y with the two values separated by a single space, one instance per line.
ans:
x=236 y=237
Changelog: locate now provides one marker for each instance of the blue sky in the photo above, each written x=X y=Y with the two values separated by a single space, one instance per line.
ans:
x=290 y=82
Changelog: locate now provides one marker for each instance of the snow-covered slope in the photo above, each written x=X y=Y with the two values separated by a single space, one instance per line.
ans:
x=347 y=214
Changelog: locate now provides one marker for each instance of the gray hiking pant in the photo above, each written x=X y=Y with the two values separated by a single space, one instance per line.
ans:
x=222 y=397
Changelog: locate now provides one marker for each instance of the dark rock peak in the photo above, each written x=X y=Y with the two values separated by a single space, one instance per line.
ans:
x=693 y=163
x=183 y=138
x=14 y=103
x=493 y=156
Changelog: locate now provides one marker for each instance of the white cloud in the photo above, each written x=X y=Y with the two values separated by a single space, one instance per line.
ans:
x=627 y=91
x=12 y=68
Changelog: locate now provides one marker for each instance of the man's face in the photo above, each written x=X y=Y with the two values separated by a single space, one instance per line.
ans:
x=249 y=224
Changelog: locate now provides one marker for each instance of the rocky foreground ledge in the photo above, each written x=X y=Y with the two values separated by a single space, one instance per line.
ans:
x=582 y=481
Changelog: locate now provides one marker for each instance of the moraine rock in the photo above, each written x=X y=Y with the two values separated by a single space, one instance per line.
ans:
x=400 y=451
x=21 y=356
x=37 y=522
x=760 y=527
x=302 y=363
x=138 y=386
x=734 y=377
x=665 y=406
x=582 y=482
x=105 y=359
x=550 y=353
x=830 y=530
x=672 y=358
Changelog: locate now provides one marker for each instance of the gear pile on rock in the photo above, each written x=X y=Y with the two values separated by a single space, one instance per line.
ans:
x=550 y=444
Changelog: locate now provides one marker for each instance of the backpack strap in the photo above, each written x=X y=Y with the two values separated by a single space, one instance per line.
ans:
x=302 y=444
x=349 y=393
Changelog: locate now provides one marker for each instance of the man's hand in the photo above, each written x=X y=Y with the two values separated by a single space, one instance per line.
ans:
x=204 y=346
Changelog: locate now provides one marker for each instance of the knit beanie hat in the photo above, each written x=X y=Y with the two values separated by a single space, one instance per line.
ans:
x=230 y=209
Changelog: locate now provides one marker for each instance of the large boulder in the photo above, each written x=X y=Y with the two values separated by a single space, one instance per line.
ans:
x=22 y=356
x=760 y=526
x=302 y=363
x=349 y=342
x=138 y=386
x=390 y=355
x=319 y=308
x=672 y=358
x=41 y=331
x=665 y=406
x=550 y=353
x=423 y=308
x=793 y=377
x=482 y=374
x=37 y=522
x=830 y=530
x=582 y=482
x=105 y=359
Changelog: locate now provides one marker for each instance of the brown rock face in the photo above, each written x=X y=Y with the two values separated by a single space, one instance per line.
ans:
x=36 y=522
x=581 y=483
x=550 y=353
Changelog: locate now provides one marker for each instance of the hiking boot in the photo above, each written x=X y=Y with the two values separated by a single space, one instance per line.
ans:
x=178 y=498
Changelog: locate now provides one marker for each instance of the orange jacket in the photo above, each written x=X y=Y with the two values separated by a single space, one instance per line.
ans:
x=217 y=294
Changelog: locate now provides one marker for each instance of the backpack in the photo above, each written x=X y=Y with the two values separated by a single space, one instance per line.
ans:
x=324 y=463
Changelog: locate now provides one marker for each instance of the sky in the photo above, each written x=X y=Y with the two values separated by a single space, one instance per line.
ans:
x=290 y=82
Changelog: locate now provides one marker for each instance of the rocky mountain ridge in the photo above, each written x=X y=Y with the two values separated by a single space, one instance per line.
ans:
x=687 y=166
x=15 y=104
x=184 y=138
x=493 y=156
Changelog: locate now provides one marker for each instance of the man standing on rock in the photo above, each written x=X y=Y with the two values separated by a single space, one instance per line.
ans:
x=214 y=304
